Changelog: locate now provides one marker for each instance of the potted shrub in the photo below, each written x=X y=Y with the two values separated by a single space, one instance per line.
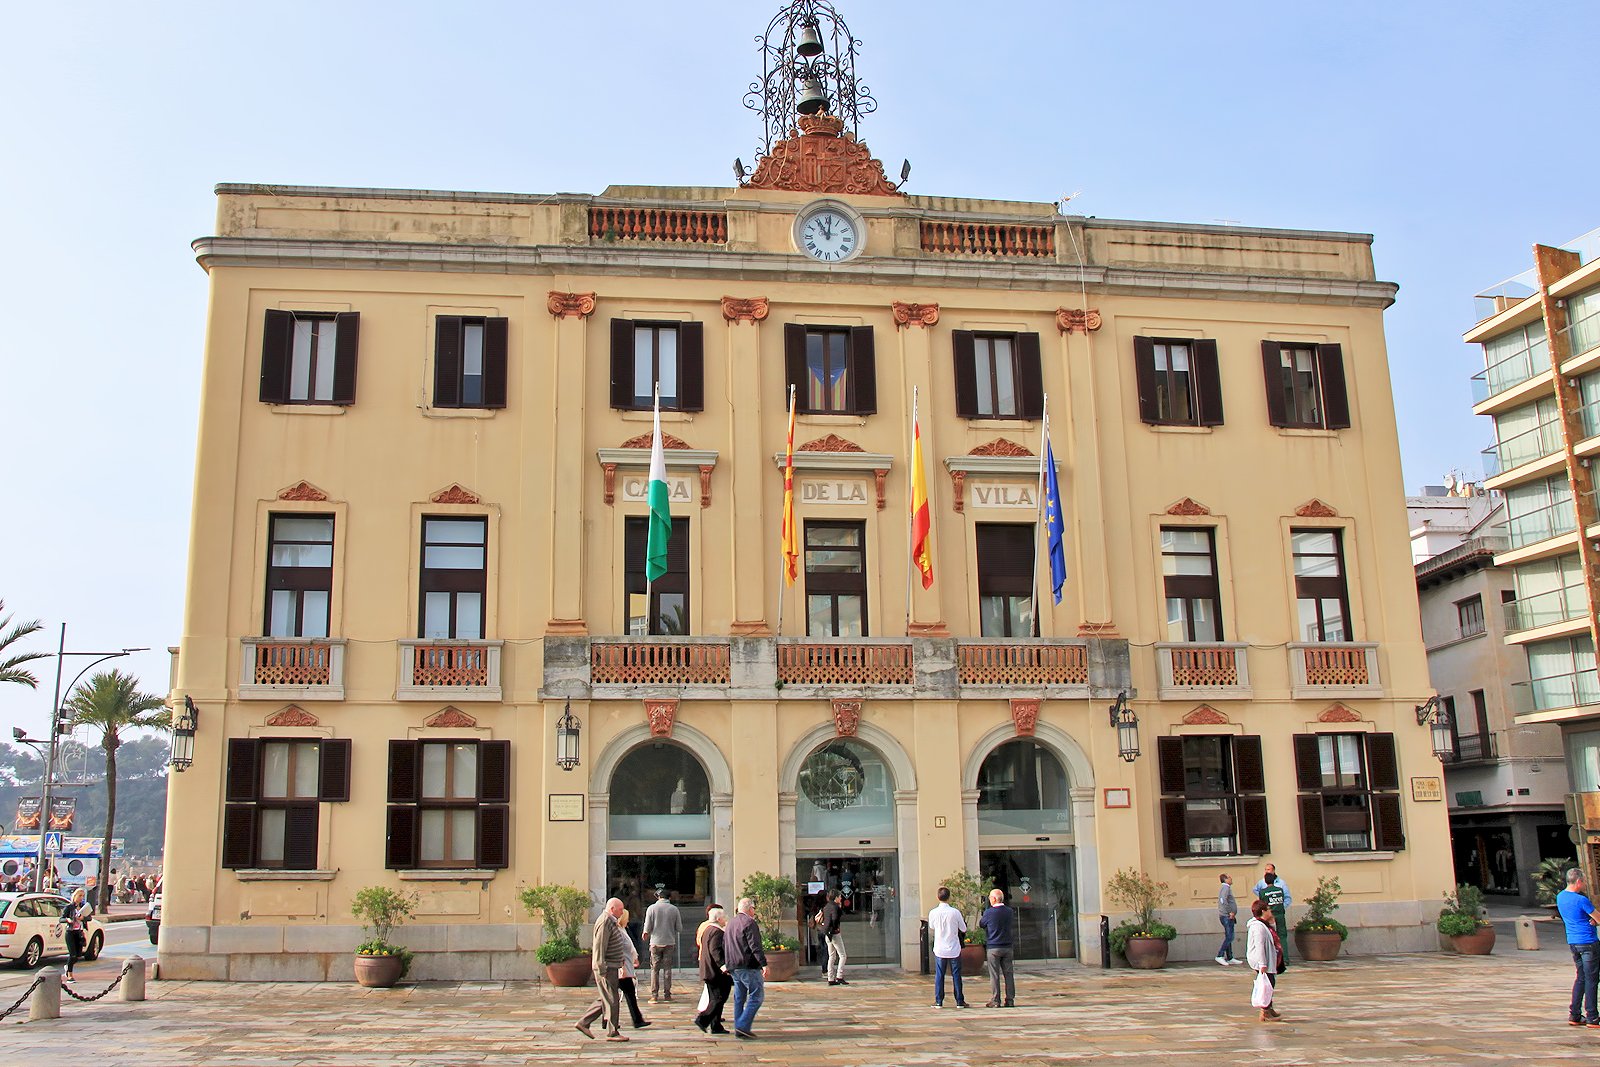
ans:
x=379 y=962
x=1461 y=920
x=774 y=897
x=969 y=895
x=1143 y=939
x=1550 y=878
x=1318 y=935
x=561 y=908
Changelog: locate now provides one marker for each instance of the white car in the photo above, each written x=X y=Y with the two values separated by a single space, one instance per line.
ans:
x=30 y=929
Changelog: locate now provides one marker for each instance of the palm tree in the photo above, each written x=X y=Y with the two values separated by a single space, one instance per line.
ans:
x=110 y=702
x=11 y=665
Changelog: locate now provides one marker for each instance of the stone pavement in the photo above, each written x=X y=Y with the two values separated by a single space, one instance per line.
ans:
x=1423 y=1009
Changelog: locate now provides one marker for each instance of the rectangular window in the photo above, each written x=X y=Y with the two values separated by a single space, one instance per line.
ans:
x=998 y=375
x=1469 y=613
x=645 y=354
x=662 y=607
x=1005 y=579
x=1322 y=601
x=448 y=804
x=274 y=789
x=1539 y=510
x=1349 y=792
x=1189 y=570
x=833 y=369
x=1179 y=379
x=1213 y=791
x=309 y=357
x=469 y=364
x=299 y=575
x=454 y=577
x=1305 y=385
x=836 y=579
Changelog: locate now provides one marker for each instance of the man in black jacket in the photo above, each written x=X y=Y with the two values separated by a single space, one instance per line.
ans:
x=747 y=963
x=714 y=972
x=832 y=913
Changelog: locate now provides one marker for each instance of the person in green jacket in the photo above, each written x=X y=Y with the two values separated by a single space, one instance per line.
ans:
x=1274 y=894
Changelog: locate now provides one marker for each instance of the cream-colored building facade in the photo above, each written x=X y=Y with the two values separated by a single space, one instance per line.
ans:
x=424 y=433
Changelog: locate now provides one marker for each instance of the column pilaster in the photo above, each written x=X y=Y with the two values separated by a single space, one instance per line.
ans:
x=567 y=457
x=913 y=323
x=754 y=545
x=1086 y=527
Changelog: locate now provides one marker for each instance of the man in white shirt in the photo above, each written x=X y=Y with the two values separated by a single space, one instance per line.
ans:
x=945 y=927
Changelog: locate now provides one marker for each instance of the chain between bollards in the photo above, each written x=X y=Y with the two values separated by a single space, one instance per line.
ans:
x=26 y=993
x=90 y=1000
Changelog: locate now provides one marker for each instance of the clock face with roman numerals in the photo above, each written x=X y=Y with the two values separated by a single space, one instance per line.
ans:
x=828 y=235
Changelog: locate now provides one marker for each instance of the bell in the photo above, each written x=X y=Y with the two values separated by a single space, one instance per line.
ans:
x=812 y=98
x=809 y=44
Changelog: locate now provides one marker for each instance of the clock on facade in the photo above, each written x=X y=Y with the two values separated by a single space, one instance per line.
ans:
x=828 y=234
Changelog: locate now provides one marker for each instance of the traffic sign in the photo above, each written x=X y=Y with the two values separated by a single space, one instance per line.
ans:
x=52 y=842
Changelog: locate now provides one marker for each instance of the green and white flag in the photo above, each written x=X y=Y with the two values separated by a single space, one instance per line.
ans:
x=655 y=553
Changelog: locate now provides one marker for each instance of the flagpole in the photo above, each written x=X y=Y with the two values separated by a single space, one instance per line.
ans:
x=649 y=609
x=1038 y=515
x=911 y=489
x=788 y=473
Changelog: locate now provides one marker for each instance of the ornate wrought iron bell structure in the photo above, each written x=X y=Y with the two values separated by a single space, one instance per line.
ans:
x=808 y=58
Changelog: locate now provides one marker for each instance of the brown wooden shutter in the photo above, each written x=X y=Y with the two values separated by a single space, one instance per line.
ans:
x=677 y=546
x=692 y=366
x=1387 y=833
x=346 y=345
x=1272 y=371
x=495 y=348
x=1174 y=834
x=333 y=770
x=794 y=366
x=1254 y=837
x=447 y=362
x=1383 y=769
x=403 y=760
x=863 y=371
x=1144 y=377
x=494 y=772
x=1312 y=837
x=1307 y=762
x=622 y=363
x=1335 y=396
x=244 y=756
x=1169 y=761
x=400 y=849
x=494 y=837
x=963 y=348
x=300 y=837
x=277 y=351
x=1249 y=769
x=1207 y=370
x=239 y=836
x=1030 y=377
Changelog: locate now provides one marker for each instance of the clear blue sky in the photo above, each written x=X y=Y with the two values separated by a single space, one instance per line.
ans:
x=1418 y=123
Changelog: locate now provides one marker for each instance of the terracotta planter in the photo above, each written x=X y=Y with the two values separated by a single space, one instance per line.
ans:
x=1147 y=953
x=1317 y=946
x=972 y=957
x=1478 y=944
x=782 y=964
x=569 y=974
x=377 y=972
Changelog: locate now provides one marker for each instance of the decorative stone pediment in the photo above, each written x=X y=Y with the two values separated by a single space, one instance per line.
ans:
x=643 y=441
x=302 y=491
x=1338 y=713
x=1188 y=506
x=820 y=157
x=293 y=715
x=456 y=495
x=846 y=717
x=1000 y=446
x=831 y=443
x=450 y=718
x=662 y=715
x=744 y=309
x=1315 y=509
x=1025 y=716
x=1205 y=715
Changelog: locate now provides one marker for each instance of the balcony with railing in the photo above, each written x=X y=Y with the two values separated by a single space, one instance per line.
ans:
x=1219 y=671
x=1589 y=419
x=1030 y=663
x=1583 y=335
x=1552 y=520
x=1334 y=669
x=1546 y=609
x=291 y=668
x=1511 y=371
x=449 y=669
x=1474 y=748
x=810 y=662
x=673 y=661
x=1529 y=445
x=1556 y=692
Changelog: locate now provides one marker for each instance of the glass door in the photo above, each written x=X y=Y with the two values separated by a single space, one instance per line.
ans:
x=634 y=879
x=871 y=921
x=1038 y=884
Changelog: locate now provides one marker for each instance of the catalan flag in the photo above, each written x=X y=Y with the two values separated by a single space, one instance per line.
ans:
x=921 y=518
x=791 y=540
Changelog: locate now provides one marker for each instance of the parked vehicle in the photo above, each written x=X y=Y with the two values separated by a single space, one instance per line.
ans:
x=30 y=929
x=152 y=919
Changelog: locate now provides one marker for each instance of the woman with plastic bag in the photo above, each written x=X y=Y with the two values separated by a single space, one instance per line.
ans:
x=1265 y=956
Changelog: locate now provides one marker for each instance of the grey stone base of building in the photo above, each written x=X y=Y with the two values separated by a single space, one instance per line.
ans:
x=1375 y=929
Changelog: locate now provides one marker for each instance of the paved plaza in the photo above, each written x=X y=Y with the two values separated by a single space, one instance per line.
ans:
x=1425 y=1009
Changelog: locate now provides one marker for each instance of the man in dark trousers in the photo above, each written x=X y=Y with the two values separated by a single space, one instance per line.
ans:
x=662 y=925
x=714 y=972
x=999 y=923
x=832 y=914
x=607 y=952
x=1275 y=895
x=747 y=963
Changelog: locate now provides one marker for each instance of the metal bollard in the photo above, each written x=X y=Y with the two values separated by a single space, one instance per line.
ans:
x=133 y=979
x=1527 y=934
x=46 y=1000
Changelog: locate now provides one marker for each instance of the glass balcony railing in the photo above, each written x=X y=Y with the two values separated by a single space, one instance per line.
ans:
x=1545 y=609
x=1557 y=691
x=1589 y=416
x=1513 y=370
x=1541 y=441
x=1583 y=335
x=1549 y=521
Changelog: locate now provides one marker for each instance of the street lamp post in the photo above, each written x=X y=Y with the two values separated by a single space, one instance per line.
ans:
x=50 y=748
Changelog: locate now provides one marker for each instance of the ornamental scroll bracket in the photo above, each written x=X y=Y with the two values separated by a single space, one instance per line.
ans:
x=906 y=315
x=745 y=309
x=571 y=305
x=1077 y=320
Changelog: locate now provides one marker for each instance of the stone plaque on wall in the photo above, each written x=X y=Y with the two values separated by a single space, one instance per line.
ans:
x=636 y=487
x=1020 y=496
x=828 y=491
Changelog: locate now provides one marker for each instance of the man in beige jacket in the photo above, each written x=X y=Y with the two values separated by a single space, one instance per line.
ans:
x=607 y=953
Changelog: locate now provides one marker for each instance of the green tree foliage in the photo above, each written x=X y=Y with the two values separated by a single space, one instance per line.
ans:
x=11 y=658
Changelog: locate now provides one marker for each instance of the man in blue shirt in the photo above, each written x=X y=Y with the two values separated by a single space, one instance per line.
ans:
x=1577 y=911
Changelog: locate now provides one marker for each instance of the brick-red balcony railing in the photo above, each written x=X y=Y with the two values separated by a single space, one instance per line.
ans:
x=282 y=663
x=981 y=239
x=1334 y=666
x=1214 y=669
x=658 y=224
x=450 y=665
x=658 y=661
x=1030 y=663
x=843 y=663
x=305 y=668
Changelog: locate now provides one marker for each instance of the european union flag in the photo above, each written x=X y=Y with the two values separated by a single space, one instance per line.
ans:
x=1055 y=523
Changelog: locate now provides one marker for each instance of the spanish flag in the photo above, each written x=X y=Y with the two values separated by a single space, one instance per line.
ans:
x=921 y=519
x=791 y=541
